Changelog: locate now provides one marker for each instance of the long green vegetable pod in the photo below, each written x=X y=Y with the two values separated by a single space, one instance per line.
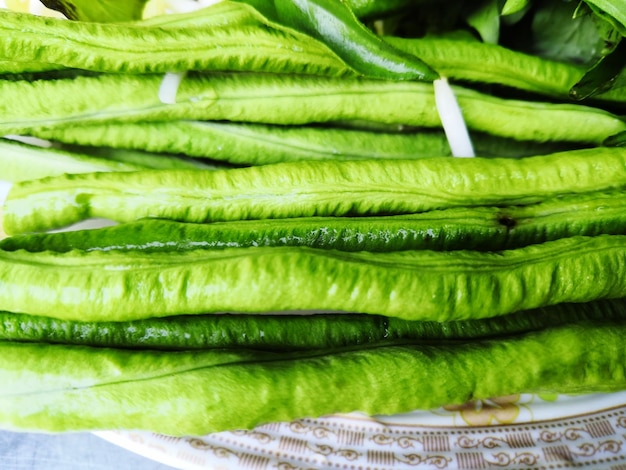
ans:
x=490 y=63
x=414 y=285
x=304 y=189
x=288 y=99
x=253 y=144
x=261 y=144
x=473 y=228
x=293 y=332
x=250 y=45
x=70 y=388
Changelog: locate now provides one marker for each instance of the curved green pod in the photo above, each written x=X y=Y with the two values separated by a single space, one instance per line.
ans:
x=305 y=189
x=414 y=285
x=261 y=144
x=248 y=43
x=253 y=144
x=288 y=99
x=64 y=388
x=293 y=332
x=465 y=228
x=481 y=62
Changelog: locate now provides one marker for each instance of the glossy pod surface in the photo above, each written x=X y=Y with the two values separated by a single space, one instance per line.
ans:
x=293 y=332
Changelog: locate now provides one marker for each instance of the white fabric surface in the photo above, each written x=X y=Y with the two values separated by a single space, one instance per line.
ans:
x=76 y=451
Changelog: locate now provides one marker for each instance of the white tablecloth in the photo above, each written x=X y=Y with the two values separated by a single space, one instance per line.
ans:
x=80 y=451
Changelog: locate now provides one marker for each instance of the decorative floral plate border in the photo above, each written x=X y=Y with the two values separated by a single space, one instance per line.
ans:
x=515 y=432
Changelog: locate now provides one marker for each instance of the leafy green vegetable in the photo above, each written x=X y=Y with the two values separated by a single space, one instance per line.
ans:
x=613 y=11
x=559 y=32
x=602 y=77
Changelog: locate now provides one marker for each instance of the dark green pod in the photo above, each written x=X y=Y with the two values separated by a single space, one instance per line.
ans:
x=293 y=332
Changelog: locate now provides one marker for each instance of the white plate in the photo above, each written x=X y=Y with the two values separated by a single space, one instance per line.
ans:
x=516 y=432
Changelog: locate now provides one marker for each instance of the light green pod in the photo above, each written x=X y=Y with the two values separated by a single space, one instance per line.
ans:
x=20 y=162
x=261 y=144
x=288 y=99
x=63 y=388
x=254 y=144
x=229 y=36
x=459 y=228
x=481 y=62
x=414 y=285
x=305 y=189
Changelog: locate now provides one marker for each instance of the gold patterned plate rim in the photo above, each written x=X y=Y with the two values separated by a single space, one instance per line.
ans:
x=519 y=431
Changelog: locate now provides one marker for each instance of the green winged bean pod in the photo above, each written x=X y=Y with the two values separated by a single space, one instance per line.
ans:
x=261 y=144
x=467 y=228
x=168 y=46
x=481 y=62
x=293 y=332
x=413 y=285
x=305 y=189
x=288 y=99
x=71 y=388
x=253 y=144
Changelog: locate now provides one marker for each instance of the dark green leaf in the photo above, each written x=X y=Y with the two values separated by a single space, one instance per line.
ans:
x=562 y=31
x=613 y=11
x=602 y=76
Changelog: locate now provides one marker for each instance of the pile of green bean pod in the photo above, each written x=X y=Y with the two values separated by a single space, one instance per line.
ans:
x=279 y=211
